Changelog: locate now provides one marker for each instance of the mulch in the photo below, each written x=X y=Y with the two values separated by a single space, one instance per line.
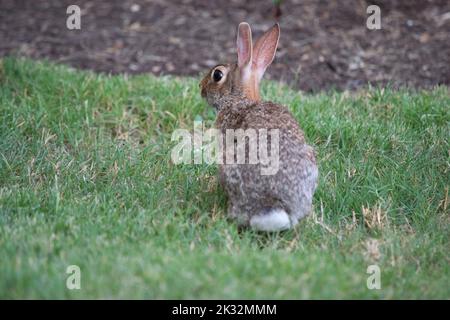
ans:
x=323 y=45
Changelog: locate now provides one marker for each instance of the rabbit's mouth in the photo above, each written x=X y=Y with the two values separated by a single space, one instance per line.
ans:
x=202 y=86
x=211 y=98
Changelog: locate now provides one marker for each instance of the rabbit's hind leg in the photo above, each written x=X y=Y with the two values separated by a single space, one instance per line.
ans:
x=238 y=214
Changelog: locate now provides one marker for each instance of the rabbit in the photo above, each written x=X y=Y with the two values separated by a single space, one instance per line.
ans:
x=263 y=202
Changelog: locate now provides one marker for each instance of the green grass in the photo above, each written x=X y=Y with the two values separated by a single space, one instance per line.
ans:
x=86 y=179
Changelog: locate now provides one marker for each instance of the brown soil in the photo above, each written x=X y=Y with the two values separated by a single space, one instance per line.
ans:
x=323 y=45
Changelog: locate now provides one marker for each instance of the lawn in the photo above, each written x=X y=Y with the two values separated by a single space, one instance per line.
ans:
x=86 y=179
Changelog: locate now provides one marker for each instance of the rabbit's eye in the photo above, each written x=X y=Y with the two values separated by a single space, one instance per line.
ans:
x=217 y=75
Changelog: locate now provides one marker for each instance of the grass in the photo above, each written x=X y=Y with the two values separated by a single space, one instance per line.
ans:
x=86 y=179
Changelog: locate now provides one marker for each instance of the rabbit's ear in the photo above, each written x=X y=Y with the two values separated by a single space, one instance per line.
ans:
x=244 y=47
x=264 y=51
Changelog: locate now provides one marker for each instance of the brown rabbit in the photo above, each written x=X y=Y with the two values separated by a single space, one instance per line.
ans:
x=266 y=202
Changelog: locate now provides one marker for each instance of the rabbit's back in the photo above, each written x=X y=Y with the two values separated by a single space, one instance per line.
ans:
x=258 y=115
x=291 y=187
